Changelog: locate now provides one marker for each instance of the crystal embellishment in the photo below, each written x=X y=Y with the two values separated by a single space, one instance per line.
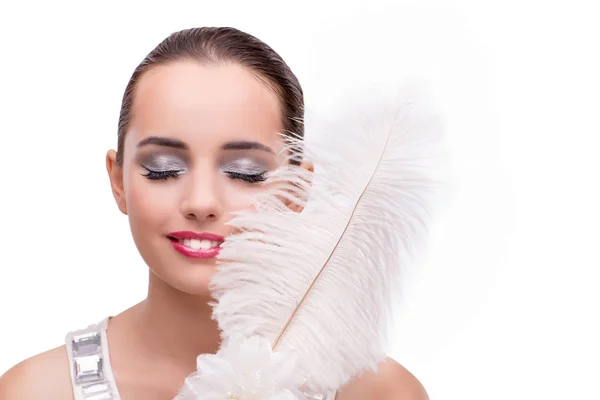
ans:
x=88 y=365
x=87 y=343
x=88 y=368
x=87 y=357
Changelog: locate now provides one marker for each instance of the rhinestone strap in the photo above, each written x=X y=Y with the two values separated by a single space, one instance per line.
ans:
x=89 y=365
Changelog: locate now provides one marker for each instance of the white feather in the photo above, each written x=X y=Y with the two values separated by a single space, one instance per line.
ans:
x=320 y=283
x=245 y=369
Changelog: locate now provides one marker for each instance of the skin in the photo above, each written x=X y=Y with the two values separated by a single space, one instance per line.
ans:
x=204 y=106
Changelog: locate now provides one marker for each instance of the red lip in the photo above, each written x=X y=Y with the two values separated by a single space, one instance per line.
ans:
x=194 y=235
x=195 y=253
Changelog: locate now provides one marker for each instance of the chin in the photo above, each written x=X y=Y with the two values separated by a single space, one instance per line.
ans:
x=189 y=277
x=194 y=280
x=184 y=274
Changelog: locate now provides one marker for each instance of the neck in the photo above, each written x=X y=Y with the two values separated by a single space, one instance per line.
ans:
x=174 y=327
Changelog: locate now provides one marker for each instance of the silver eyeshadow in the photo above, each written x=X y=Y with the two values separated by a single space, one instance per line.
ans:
x=168 y=163
x=165 y=163
x=245 y=166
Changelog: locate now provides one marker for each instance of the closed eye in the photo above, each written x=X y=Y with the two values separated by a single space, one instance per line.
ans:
x=250 y=178
x=247 y=169
x=156 y=175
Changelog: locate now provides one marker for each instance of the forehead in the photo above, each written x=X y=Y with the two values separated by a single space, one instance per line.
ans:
x=205 y=103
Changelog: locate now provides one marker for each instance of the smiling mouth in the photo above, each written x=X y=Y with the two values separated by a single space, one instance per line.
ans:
x=197 y=244
x=196 y=248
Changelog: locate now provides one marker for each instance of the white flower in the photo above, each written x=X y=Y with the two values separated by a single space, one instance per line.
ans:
x=244 y=369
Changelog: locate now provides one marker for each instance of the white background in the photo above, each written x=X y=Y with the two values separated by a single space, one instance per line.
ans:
x=506 y=304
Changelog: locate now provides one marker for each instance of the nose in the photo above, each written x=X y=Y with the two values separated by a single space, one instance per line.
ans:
x=202 y=198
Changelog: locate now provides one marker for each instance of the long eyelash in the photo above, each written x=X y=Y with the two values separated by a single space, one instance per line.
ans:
x=156 y=175
x=251 y=178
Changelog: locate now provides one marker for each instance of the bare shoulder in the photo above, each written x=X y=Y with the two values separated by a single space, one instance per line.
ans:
x=391 y=382
x=45 y=376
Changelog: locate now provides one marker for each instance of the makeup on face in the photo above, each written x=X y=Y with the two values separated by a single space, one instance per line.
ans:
x=247 y=160
x=245 y=167
x=162 y=166
x=196 y=245
x=244 y=160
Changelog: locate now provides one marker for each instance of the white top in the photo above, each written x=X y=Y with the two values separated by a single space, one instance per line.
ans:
x=89 y=361
x=91 y=374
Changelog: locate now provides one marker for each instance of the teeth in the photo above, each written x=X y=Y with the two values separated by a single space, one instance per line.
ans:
x=199 y=244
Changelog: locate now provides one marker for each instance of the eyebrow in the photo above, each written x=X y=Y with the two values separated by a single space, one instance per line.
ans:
x=163 y=141
x=178 y=144
x=245 y=145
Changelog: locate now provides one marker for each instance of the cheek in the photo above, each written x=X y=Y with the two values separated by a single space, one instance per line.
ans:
x=240 y=195
x=150 y=203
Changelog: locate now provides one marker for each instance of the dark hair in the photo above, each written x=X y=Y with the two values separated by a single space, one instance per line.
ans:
x=222 y=45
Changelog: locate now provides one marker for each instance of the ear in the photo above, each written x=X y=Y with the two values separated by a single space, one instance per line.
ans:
x=115 y=174
x=296 y=207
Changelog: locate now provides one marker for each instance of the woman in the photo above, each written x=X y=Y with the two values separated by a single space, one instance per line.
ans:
x=198 y=129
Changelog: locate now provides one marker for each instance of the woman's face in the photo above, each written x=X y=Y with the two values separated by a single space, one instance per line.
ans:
x=199 y=142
